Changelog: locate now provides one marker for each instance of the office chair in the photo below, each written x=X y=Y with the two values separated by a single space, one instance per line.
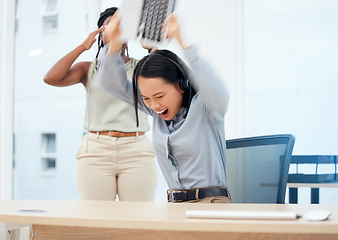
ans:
x=257 y=168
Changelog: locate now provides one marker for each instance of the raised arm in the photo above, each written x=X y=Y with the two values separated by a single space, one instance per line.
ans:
x=112 y=76
x=64 y=73
x=210 y=88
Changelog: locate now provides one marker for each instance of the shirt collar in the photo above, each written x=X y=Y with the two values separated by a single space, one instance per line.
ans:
x=178 y=120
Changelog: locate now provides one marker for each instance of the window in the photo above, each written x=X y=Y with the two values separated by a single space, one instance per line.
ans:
x=50 y=5
x=50 y=15
x=48 y=152
x=50 y=22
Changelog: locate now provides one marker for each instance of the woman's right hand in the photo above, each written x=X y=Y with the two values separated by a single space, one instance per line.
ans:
x=88 y=43
x=172 y=27
x=112 y=34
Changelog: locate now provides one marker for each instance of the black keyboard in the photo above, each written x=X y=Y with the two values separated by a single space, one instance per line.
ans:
x=154 y=13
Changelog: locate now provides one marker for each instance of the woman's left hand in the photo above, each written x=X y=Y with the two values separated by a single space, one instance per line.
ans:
x=172 y=28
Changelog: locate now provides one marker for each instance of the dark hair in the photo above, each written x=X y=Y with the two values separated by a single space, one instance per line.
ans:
x=103 y=16
x=167 y=65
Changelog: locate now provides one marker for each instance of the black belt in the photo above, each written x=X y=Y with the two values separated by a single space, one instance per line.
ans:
x=196 y=194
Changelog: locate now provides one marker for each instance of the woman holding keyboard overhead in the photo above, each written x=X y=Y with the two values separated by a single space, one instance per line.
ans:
x=187 y=107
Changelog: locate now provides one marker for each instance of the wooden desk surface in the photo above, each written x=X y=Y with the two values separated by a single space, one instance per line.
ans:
x=135 y=220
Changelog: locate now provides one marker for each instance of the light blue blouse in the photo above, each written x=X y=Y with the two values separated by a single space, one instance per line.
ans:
x=191 y=151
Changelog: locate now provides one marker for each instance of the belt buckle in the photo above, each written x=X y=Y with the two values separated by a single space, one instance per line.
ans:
x=171 y=195
x=116 y=133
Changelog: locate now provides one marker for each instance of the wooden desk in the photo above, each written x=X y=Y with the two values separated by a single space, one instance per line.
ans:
x=133 y=220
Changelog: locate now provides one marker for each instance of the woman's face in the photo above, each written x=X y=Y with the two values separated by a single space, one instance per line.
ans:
x=161 y=96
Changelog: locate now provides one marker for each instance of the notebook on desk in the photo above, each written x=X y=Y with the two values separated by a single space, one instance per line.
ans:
x=142 y=20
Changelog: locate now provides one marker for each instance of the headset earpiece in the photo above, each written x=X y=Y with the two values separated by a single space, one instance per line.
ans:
x=184 y=84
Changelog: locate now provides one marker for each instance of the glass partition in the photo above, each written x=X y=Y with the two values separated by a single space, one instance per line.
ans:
x=47 y=120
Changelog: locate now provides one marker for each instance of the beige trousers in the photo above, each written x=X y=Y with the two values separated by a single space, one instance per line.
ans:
x=110 y=166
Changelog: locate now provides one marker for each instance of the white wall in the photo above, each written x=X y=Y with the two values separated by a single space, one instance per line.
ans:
x=291 y=72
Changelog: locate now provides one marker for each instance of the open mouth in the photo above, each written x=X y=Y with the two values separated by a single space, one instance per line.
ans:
x=163 y=113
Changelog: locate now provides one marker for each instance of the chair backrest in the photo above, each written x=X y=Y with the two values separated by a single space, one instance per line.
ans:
x=257 y=168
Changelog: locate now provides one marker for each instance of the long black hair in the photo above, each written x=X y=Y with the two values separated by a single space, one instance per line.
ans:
x=103 y=16
x=167 y=65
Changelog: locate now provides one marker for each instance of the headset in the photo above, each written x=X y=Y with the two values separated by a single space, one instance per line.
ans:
x=183 y=82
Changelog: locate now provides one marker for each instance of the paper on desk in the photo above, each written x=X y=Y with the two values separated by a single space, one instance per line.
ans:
x=260 y=215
